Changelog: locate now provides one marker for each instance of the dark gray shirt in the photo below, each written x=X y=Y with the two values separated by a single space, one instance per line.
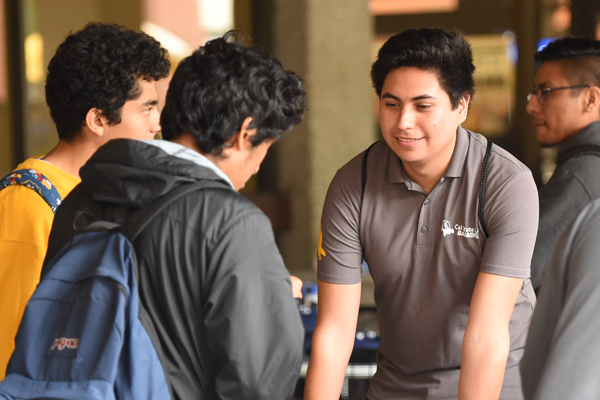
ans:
x=425 y=253
x=575 y=183
x=562 y=356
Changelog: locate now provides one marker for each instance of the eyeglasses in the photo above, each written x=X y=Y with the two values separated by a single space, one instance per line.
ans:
x=541 y=94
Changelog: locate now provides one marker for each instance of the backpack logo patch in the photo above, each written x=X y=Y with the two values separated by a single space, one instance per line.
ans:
x=61 y=343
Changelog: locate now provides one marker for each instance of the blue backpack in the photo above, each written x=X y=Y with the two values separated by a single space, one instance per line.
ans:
x=81 y=335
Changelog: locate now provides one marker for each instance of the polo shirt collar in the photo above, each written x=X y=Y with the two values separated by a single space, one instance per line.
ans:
x=455 y=169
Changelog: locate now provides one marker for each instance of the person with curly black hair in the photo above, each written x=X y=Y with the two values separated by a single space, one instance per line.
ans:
x=446 y=222
x=213 y=284
x=226 y=94
x=100 y=86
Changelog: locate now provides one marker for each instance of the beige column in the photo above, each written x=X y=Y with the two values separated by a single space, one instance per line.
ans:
x=328 y=43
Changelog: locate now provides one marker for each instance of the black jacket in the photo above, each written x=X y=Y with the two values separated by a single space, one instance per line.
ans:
x=574 y=184
x=211 y=280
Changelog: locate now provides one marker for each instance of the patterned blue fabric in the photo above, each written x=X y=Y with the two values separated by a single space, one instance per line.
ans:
x=35 y=181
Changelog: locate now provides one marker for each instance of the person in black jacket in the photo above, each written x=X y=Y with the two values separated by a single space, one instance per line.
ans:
x=565 y=109
x=211 y=280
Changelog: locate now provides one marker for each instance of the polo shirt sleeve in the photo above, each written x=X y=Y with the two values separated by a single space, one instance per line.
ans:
x=340 y=253
x=511 y=216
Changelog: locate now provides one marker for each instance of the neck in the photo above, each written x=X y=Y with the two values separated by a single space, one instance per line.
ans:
x=187 y=140
x=428 y=173
x=426 y=179
x=70 y=156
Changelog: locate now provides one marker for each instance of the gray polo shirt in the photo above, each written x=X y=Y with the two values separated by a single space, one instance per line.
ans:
x=425 y=252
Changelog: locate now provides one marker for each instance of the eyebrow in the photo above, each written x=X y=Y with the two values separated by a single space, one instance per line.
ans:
x=150 y=103
x=421 y=97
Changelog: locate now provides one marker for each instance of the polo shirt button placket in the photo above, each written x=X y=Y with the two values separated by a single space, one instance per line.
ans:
x=423 y=229
x=426 y=202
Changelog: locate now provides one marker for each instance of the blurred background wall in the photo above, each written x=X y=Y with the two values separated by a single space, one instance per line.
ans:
x=331 y=45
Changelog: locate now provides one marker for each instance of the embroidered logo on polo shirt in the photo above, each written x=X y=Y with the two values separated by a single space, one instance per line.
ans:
x=459 y=230
x=467 y=232
x=447 y=228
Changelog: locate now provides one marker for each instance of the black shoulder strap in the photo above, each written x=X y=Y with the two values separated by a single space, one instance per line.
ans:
x=364 y=183
x=484 y=171
x=140 y=219
x=585 y=150
x=364 y=171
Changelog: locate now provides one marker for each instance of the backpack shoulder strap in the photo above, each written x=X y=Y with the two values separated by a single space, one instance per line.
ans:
x=85 y=222
x=364 y=183
x=35 y=181
x=484 y=171
x=141 y=218
x=364 y=171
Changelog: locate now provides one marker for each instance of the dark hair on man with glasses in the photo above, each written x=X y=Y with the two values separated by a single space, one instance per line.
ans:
x=579 y=60
x=578 y=56
x=563 y=347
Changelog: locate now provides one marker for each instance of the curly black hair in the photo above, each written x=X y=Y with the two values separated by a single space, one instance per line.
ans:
x=579 y=58
x=99 y=67
x=221 y=84
x=445 y=53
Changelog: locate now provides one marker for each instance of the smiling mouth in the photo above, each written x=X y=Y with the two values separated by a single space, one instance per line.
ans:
x=402 y=140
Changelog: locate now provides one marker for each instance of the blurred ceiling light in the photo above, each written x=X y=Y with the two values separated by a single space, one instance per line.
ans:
x=561 y=18
x=386 y=7
x=178 y=48
x=215 y=16
x=34 y=58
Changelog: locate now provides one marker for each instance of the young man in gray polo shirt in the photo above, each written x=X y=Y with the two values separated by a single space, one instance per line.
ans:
x=453 y=304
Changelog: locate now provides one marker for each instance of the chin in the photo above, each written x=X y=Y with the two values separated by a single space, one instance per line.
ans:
x=545 y=141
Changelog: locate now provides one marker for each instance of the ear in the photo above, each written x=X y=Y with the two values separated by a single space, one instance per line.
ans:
x=463 y=107
x=592 y=100
x=95 y=121
x=241 y=140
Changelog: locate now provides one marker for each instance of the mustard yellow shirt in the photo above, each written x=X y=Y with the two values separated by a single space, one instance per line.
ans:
x=25 y=223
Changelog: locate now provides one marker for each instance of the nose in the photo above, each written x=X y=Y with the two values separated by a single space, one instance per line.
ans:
x=405 y=119
x=155 y=122
x=533 y=105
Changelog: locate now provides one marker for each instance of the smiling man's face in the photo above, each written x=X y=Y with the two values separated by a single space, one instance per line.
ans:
x=417 y=120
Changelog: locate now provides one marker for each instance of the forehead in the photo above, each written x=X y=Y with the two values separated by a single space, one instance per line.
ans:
x=551 y=74
x=412 y=83
x=404 y=78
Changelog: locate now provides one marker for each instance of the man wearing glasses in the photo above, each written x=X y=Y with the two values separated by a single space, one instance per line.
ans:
x=565 y=107
x=562 y=353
